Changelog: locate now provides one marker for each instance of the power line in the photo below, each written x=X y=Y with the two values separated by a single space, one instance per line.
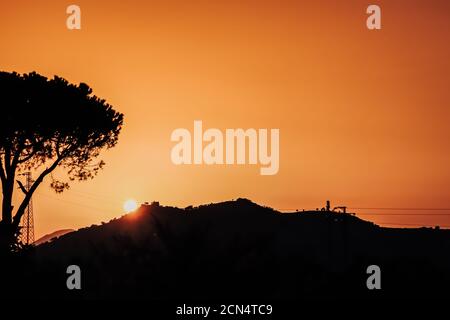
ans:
x=403 y=214
x=401 y=209
x=373 y=215
x=89 y=196
x=92 y=194
x=387 y=209
x=104 y=196
x=412 y=224
x=74 y=203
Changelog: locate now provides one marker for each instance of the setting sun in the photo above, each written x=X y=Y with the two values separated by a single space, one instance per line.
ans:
x=130 y=205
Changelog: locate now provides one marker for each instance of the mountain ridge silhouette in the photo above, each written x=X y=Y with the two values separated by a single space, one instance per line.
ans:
x=240 y=249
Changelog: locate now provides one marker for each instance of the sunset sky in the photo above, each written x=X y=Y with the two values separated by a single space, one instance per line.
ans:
x=363 y=115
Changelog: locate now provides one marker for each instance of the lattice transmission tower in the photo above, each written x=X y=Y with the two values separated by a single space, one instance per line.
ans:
x=27 y=231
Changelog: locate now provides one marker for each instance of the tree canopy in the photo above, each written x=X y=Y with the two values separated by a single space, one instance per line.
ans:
x=49 y=123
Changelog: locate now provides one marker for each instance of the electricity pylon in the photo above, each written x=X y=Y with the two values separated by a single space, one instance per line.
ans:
x=27 y=231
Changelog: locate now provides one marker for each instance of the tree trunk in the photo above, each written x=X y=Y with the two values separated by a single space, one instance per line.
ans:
x=7 y=230
x=7 y=203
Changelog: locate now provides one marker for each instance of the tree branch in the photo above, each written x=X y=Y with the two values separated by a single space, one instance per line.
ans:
x=7 y=159
x=32 y=153
x=26 y=200
x=26 y=158
x=21 y=186
x=2 y=172
x=16 y=155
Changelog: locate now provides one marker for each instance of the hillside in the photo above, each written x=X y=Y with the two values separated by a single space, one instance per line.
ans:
x=238 y=249
x=52 y=236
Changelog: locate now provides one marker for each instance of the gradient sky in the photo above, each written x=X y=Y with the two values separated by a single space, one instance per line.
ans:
x=363 y=115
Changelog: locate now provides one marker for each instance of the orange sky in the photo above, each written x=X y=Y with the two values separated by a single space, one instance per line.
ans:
x=363 y=115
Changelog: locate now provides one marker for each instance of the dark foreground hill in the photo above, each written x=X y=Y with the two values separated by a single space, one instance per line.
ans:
x=238 y=249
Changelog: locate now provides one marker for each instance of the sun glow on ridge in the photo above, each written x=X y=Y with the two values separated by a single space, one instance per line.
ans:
x=130 y=205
